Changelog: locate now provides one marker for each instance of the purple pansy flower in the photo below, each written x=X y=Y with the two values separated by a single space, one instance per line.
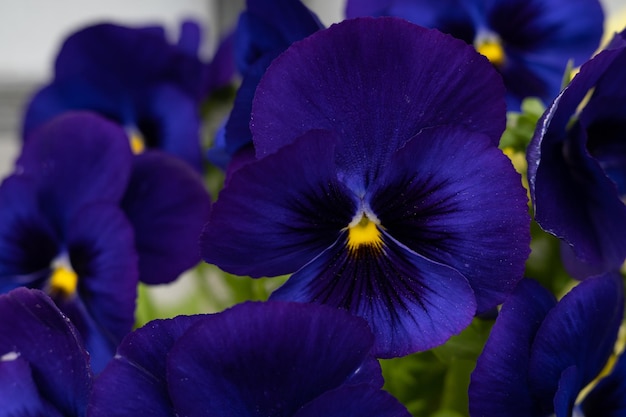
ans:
x=254 y=359
x=379 y=183
x=44 y=367
x=84 y=220
x=265 y=29
x=577 y=165
x=530 y=42
x=541 y=354
x=135 y=77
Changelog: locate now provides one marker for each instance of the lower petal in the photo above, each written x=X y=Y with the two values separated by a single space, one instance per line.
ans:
x=411 y=303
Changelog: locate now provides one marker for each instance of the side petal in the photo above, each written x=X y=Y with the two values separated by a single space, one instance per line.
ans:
x=167 y=204
x=377 y=82
x=571 y=335
x=135 y=382
x=102 y=252
x=411 y=303
x=499 y=384
x=443 y=197
x=28 y=243
x=278 y=213
x=265 y=358
x=30 y=320
x=76 y=158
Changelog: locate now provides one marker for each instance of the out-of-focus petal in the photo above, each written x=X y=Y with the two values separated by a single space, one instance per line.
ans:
x=167 y=204
x=75 y=159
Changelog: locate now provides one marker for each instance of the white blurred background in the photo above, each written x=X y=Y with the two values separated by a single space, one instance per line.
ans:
x=31 y=32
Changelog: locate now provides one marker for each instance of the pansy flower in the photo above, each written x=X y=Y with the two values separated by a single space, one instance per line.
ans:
x=529 y=42
x=254 y=359
x=379 y=183
x=44 y=367
x=577 y=165
x=264 y=30
x=135 y=77
x=544 y=358
x=83 y=219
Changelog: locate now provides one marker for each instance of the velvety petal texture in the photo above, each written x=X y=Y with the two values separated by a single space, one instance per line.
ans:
x=536 y=38
x=379 y=183
x=576 y=165
x=254 y=359
x=44 y=368
x=130 y=75
x=541 y=354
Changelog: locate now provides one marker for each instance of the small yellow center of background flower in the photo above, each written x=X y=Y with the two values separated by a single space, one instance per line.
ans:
x=364 y=232
x=137 y=144
x=492 y=49
x=63 y=280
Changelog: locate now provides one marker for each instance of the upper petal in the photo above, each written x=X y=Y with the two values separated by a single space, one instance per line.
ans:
x=266 y=359
x=377 y=83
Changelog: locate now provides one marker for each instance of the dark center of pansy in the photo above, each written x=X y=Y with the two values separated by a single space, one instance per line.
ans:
x=63 y=279
x=605 y=143
x=364 y=231
x=490 y=45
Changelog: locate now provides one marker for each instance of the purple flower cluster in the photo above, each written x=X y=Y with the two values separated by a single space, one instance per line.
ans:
x=362 y=160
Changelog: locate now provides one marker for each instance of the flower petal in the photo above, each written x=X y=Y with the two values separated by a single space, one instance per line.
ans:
x=135 y=383
x=499 y=384
x=28 y=242
x=278 y=213
x=167 y=204
x=30 y=321
x=102 y=253
x=444 y=199
x=571 y=335
x=562 y=174
x=377 y=83
x=607 y=398
x=411 y=303
x=265 y=358
x=18 y=392
x=76 y=158
x=354 y=401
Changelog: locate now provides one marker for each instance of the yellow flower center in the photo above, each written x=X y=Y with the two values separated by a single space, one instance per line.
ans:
x=492 y=49
x=137 y=144
x=63 y=280
x=364 y=232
